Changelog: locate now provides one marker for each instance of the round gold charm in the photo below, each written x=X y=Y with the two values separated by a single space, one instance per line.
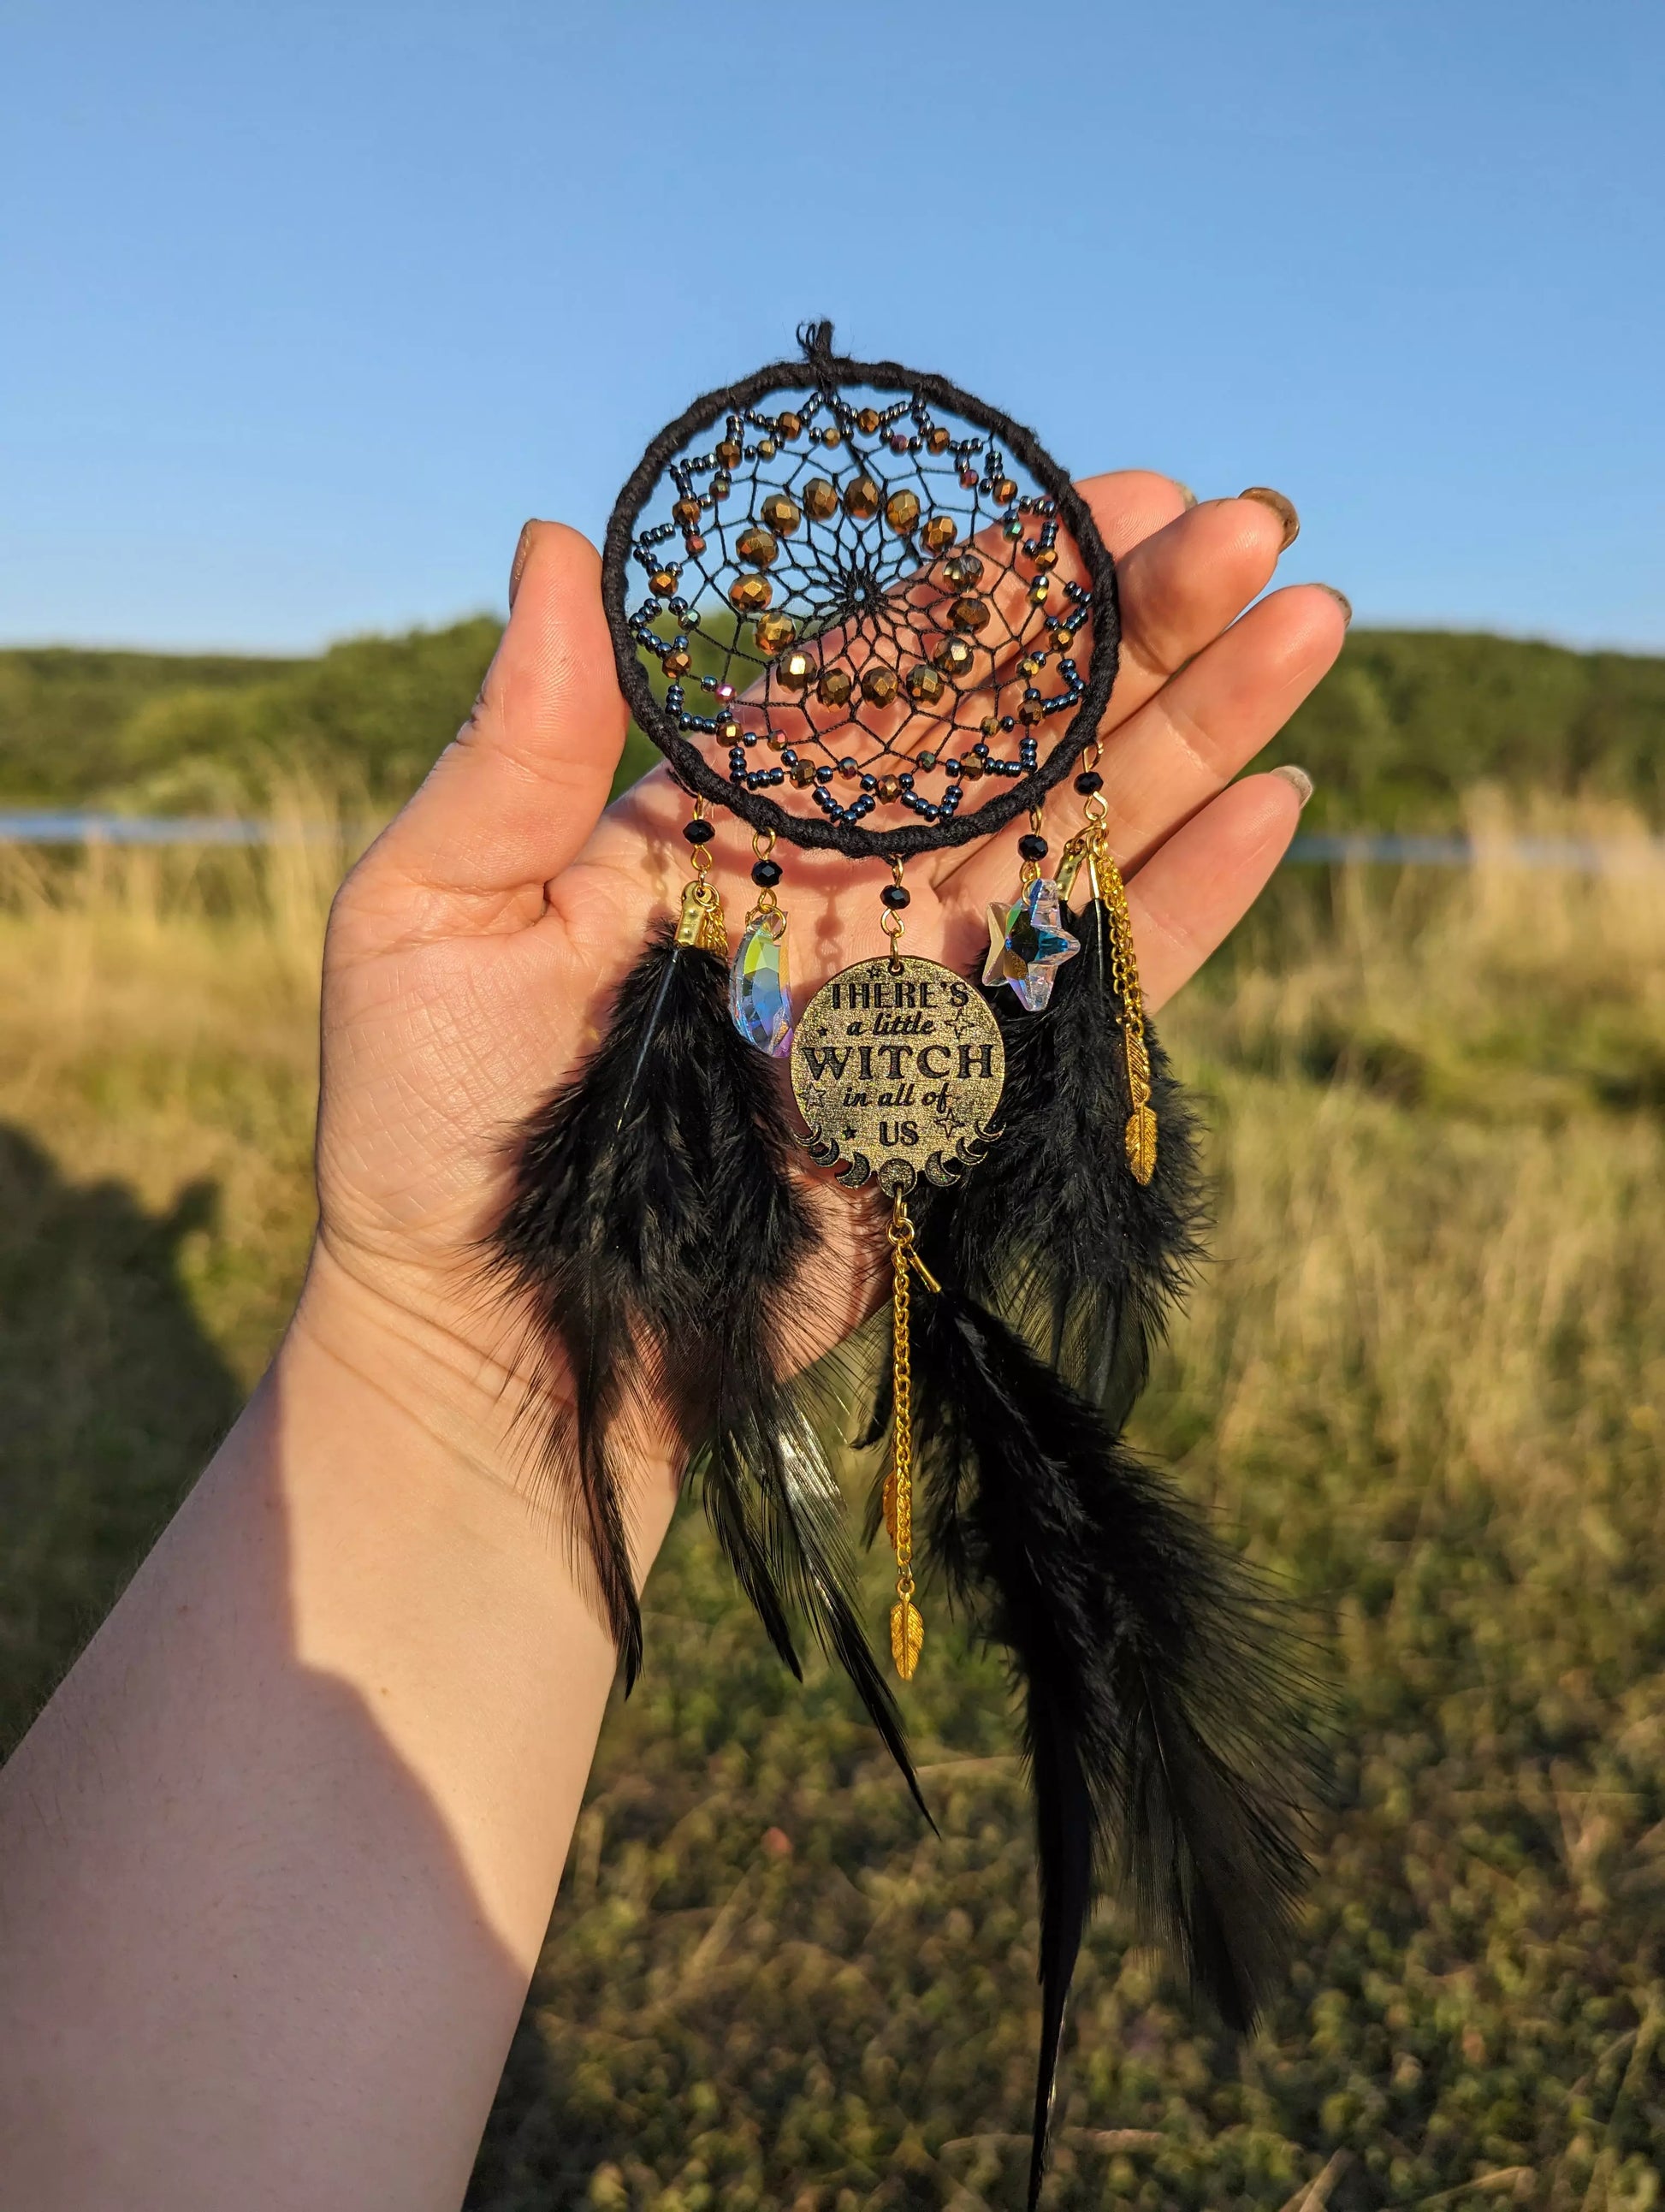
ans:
x=897 y=1070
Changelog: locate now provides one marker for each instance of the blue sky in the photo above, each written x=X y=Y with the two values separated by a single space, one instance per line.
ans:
x=304 y=308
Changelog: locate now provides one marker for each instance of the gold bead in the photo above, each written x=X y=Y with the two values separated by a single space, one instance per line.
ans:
x=751 y=594
x=1038 y=591
x=686 y=512
x=676 y=662
x=663 y=582
x=1045 y=556
x=936 y=440
x=964 y=569
x=756 y=547
x=820 y=500
x=970 y=613
x=940 y=533
x=766 y=449
x=1029 y=664
x=802 y=773
x=879 y=686
x=728 y=729
x=887 y=790
x=835 y=687
x=776 y=740
x=1032 y=711
x=780 y=512
x=832 y=436
x=971 y=769
x=925 y=685
x=1005 y=492
x=796 y=669
x=775 y=633
x=861 y=499
x=788 y=425
x=728 y=454
x=954 y=657
x=901 y=513
x=867 y=420
x=990 y=726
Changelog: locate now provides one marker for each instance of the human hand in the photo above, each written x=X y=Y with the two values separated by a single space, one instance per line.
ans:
x=474 y=951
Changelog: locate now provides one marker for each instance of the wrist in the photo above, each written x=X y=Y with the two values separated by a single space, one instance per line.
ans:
x=447 y=1401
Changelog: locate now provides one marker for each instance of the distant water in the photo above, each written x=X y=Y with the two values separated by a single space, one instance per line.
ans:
x=1590 y=856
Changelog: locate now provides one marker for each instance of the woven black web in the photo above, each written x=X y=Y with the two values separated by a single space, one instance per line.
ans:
x=955 y=754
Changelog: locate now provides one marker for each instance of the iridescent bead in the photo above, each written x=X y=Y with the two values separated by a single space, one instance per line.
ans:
x=756 y=547
x=751 y=594
x=861 y=499
x=1031 y=664
x=676 y=662
x=901 y=513
x=990 y=726
x=663 y=582
x=796 y=669
x=759 y=995
x=803 y=774
x=925 y=683
x=776 y=740
x=1032 y=711
x=1014 y=528
x=879 y=686
x=1005 y=492
x=925 y=760
x=964 y=569
x=1038 y=592
x=694 y=543
x=773 y=633
x=720 y=487
x=1045 y=556
x=971 y=769
x=850 y=770
x=970 y=613
x=834 y=689
x=968 y=478
x=686 y=512
x=780 y=512
x=820 y=500
x=886 y=790
x=940 y=533
x=954 y=657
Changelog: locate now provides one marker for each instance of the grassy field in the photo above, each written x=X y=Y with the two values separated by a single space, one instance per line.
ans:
x=1424 y=1380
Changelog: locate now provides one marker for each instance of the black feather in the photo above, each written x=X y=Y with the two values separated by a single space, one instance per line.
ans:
x=1163 y=1726
x=1051 y=1229
x=652 y=1229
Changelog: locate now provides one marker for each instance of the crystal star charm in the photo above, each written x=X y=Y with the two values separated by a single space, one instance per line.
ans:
x=1027 y=944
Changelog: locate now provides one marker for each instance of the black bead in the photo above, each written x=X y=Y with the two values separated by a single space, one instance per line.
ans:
x=766 y=874
x=699 y=833
x=1089 y=781
x=895 y=896
x=1031 y=847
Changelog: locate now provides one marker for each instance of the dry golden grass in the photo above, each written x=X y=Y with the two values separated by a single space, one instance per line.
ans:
x=1425 y=1376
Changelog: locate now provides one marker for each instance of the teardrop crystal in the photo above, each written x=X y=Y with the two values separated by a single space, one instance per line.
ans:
x=759 y=995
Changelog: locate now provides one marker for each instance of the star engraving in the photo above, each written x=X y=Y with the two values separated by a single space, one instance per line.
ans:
x=1027 y=944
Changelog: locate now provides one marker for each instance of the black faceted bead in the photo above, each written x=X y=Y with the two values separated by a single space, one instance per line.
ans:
x=699 y=833
x=895 y=896
x=1089 y=781
x=766 y=873
x=1031 y=847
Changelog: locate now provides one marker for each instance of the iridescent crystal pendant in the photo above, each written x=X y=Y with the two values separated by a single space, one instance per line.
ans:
x=759 y=995
x=1027 y=944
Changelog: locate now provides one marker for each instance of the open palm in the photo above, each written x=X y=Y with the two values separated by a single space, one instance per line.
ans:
x=474 y=951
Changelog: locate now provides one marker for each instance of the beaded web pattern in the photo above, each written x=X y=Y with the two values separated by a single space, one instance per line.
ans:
x=860 y=602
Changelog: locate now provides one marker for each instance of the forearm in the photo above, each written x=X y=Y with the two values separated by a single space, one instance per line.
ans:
x=279 y=1855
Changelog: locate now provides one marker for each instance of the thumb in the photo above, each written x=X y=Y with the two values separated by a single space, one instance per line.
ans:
x=513 y=797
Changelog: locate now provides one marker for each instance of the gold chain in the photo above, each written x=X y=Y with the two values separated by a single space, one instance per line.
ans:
x=907 y=1627
x=1090 y=849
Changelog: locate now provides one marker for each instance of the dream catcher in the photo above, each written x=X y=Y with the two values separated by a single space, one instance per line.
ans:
x=865 y=613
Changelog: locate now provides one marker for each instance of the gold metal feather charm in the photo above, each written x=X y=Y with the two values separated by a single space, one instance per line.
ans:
x=907 y=1635
x=1141 y=1132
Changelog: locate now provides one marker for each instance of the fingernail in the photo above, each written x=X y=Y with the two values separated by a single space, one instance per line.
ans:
x=1297 y=780
x=1340 y=599
x=522 y=554
x=1187 y=495
x=1282 y=508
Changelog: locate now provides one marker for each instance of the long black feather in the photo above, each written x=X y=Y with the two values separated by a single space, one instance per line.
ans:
x=1051 y=1229
x=1163 y=1725
x=653 y=1229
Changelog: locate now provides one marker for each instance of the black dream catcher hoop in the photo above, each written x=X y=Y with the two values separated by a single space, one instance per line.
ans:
x=865 y=612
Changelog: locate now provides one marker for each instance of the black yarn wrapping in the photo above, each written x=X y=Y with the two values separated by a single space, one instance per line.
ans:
x=830 y=370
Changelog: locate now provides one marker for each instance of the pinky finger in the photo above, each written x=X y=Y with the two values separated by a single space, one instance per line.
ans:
x=1196 y=889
